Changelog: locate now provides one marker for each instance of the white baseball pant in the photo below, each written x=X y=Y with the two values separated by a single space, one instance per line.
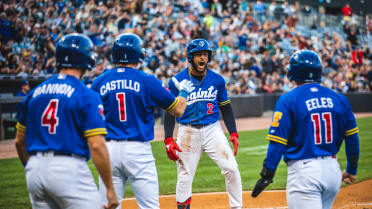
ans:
x=313 y=183
x=211 y=140
x=133 y=161
x=61 y=182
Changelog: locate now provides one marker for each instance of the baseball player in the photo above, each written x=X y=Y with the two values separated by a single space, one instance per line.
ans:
x=199 y=128
x=129 y=97
x=309 y=125
x=58 y=128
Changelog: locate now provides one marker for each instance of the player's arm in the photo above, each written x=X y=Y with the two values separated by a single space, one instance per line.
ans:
x=278 y=134
x=229 y=120
x=101 y=160
x=183 y=88
x=228 y=114
x=351 y=144
x=20 y=143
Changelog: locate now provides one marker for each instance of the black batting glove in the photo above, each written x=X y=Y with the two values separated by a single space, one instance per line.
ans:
x=266 y=179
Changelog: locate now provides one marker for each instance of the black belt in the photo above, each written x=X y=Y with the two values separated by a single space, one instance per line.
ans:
x=55 y=153
x=197 y=126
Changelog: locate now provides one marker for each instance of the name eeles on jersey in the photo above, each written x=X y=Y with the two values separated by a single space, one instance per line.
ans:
x=120 y=84
x=200 y=95
x=54 y=88
x=316 y=103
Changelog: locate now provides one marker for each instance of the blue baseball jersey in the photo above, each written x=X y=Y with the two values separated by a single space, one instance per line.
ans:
x=129 y=97
x=59 y=114
x=311 y=121
x=203 y=104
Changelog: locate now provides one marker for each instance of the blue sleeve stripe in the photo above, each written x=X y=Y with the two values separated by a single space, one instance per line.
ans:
x=95 y=131
x=225 y=102
x=351 y=133
x=173 y=105
x=275 y=140
x=20 y=127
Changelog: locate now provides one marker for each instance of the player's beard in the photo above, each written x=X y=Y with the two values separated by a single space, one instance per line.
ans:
x=200 y=67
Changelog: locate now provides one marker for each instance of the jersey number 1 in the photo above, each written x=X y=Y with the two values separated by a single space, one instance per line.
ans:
x=122 y=107
x=49 y=117
x=327 y=119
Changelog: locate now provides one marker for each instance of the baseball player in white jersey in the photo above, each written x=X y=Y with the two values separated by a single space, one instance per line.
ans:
x=199 y=127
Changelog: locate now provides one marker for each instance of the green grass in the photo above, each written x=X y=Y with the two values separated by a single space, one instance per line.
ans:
x=208 y=178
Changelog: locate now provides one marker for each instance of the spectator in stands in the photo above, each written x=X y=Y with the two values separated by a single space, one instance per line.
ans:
x=25 y=88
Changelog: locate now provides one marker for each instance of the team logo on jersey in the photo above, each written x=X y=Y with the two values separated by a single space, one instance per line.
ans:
x=209 y=95
x=100 y=111
x=276 y=118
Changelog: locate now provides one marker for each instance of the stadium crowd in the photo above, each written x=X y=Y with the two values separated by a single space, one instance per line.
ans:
x=252 y=39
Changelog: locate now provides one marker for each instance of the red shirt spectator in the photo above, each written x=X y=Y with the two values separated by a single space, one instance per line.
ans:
x=347 y=10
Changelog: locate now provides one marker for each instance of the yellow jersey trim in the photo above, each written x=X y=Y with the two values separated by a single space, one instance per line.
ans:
x=173 y=105
x=20 y=127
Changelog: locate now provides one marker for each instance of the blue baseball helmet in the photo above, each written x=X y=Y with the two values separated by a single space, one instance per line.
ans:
x=305 y=66
x=127 y=48
x=75 y=51
x=198 y=45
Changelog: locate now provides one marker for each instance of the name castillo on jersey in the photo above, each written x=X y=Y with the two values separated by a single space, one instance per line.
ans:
x=119 y=85
x=316 y=103
x=209 y=95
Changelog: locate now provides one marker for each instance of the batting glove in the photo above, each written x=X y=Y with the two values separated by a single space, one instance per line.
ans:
x=170 y=145
x=265 y=180
x=234 y=139
x=184 y=85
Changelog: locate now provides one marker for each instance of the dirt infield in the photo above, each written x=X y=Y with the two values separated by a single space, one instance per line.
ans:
x=357 y=196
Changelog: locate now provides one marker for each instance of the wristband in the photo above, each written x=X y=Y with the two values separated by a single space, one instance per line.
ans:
x=183 y=93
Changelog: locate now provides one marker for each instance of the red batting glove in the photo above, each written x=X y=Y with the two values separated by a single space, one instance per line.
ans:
x=170 y=145
x=234 y=139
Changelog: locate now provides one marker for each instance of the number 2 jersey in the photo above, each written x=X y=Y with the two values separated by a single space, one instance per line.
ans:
x=204 y=102
x=129 y=97
x=59 y=114
x=311 y=121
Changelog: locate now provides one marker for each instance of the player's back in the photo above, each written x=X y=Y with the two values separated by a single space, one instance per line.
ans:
x=55 y=116
x=319 y=118
x=128 y=97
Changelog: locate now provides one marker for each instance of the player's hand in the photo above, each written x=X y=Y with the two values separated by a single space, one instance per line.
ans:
x=234 y=139
x=348 y=178
x=266 y=179
x=184 y=85
x=112 y=199
x=170 y=145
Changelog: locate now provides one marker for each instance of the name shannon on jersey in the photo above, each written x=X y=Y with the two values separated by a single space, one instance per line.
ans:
x=120 y=84
x=322 y=102
x=54 y=88
x=200 y=95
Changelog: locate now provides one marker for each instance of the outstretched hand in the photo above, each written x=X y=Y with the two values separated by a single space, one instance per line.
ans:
x=170 y=145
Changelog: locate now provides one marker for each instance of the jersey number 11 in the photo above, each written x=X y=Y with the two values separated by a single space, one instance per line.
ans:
x=327 y=119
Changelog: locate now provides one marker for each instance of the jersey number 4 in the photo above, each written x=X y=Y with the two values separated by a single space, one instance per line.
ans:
x=49 y=117
x=327 y=119
x=122 y=107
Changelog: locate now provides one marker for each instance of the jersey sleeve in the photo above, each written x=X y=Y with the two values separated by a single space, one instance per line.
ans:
x=94 y=123
x=223 y=98
x=21 y=124
x=159 y=95
x=281 y=122
x=349 y=119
